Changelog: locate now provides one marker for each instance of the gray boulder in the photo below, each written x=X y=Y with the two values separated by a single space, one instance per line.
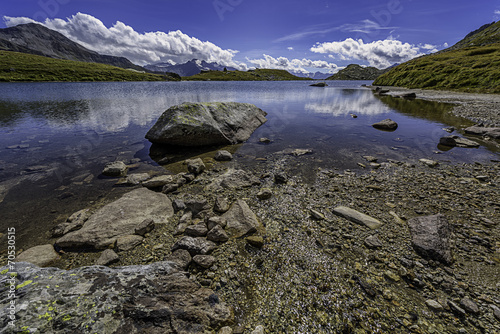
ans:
x=202 y=124
x=453 y=141
x=42 y=256
x=107 y=257
x=223 y=155
x=194 y=246
x=119 y=218
x=240 y=220
x=431 y=237
x=156 y=298
x=115 y=169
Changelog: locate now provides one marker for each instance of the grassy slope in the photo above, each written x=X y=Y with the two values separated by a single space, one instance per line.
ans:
x=16 y=66
x=356 y=72
x=255 y=75
x=472 y=65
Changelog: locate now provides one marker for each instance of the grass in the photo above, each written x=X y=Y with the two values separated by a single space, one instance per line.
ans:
x=472 y=69
x=252 y=75
x=22 y=67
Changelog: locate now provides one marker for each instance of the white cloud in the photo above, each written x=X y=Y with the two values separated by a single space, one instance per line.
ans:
x=293 y=65
x=381 y=54
x=497 y=12
x=140 y=48
x=290 y=48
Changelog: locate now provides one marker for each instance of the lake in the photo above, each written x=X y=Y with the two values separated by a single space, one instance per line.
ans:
x=56 y=137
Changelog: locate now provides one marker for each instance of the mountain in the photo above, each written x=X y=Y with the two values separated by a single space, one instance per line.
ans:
x=187 y=69
x=259 y=74
x=38 y=40
x=357 y=72
x=315 y=76
x=472 y=65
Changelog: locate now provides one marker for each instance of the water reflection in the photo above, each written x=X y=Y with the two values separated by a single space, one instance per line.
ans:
x=357 y=101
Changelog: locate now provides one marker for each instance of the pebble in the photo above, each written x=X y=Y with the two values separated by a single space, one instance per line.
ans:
x=434 y=305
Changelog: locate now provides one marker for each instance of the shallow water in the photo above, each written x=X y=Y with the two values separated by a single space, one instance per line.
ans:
x=56 y=137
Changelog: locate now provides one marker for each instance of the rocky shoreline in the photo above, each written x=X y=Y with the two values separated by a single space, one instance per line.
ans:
x=270 y=252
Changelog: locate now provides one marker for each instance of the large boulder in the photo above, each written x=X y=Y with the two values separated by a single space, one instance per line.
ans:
x=42 y=256
x=431 y=237
x=483 y=131
x=241 y=220
x=202 y=124
x=119 y=218
x=156 y=298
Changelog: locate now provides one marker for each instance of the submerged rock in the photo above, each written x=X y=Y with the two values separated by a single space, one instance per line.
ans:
x=156 y=298
x=431 y=237
x=119 y=218
x=483 y=131
x=115 y=169
x=319 y=84
x=453 y=141
x=386 y=124
x=201 y=124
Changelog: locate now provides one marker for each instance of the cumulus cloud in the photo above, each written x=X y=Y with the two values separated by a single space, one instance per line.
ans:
x=381 y=54
x=140 y=48
x=497 y=12
x=293 y=65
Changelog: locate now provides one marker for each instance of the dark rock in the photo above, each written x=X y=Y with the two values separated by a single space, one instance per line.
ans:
x=456 y=309
x=119 y=218
x=264 y=193
x=264 y=140
x=195 y=166
x=194 y=246
x=201 y=124
x=221 y=205
x=115 y=169
x=180 y=257
x=156 y=298
x=368 y=288
x=240 y=220
x=198 y=230
x=469 y=306
x=223 y=156
x=205 y=261
x=145 y=227
x=280 y=178
x=169 y=188
x=483 y=131
x=214 y=221
x=319 y=84
x=453 y=141
x=196 y=205
x=107 y=257
x=386 y=124
x=217 y=234
x=431 y=237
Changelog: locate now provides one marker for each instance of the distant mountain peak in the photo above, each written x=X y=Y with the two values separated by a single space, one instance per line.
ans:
x=187 y=69
x=39 y=40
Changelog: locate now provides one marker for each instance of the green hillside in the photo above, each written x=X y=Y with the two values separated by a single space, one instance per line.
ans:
x=15 y=66
x=471 y=65
x=251 y=75
x=357 y=72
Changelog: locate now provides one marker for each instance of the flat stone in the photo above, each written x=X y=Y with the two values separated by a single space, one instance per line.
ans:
x=42 y=256
x=484 y=131
x=469 y=306
x=198 y=230
x=434 y=305
x=221 y=205
x=128 y=242
x=428 y=162
x=496 y=311
x=205 y=261
x=315 y=214
x=119 y=218
x=158 y=181
x=107 y=257
x=234 y=179
x=456 y=309
x=115 y=169
x=134 y=179
x=240 y=220
x=431 y=237
x=357 y=217
x=264 y=193
x=223 y=155
x=453 y=141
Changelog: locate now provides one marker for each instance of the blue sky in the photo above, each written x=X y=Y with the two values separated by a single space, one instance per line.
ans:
x=296 y=35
